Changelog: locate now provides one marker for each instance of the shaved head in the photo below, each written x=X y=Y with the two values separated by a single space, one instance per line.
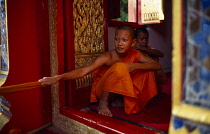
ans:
x=128 y=28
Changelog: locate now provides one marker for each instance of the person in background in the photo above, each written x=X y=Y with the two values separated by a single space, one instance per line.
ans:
x=142 y=45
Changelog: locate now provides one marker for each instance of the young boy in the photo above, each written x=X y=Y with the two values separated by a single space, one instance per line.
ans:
x=118 y=71
x=142 y=45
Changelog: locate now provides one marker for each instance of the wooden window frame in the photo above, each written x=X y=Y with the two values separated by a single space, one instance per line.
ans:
x=70 y=106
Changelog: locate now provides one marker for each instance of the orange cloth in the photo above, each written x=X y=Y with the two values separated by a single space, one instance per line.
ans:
x=19 y=87
x=137 y=87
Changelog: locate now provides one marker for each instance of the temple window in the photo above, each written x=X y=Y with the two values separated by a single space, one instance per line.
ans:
x=140 y=12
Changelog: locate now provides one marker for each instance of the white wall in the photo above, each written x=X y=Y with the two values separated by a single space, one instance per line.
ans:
x=161 y=40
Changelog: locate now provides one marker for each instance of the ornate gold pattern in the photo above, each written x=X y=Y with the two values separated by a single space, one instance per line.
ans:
x=81 y=61
x=85 y=81
x=85 y=59
x=88 y=31
x=88 y=26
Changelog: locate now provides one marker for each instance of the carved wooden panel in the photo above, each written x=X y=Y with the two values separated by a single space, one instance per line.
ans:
x=88 y=35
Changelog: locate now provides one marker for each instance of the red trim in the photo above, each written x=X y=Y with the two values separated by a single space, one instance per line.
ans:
x=105 y=4
x=113 y=9
x=182 y=43
x=103 y=123
x=114 y=23
x=60 y=49
x=81 y=97
x=139 y=13
x=69 y=48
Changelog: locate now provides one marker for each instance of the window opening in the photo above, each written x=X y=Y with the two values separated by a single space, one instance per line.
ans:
x=137 y=11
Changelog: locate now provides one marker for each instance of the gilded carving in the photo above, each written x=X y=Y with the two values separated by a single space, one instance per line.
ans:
x=88 y=35
x=88 y=26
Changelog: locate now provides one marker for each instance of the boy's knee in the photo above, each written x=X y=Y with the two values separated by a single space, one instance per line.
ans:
x=120 y=68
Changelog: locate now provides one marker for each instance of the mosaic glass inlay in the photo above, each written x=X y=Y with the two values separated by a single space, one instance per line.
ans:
x=190 y=126
x=197 y=53
x=4 y=55
x=3 y=26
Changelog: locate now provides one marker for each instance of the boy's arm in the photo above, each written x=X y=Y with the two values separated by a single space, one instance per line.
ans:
x=154 y=52
x=149 y=51
x=145 y=63
x=77 y=73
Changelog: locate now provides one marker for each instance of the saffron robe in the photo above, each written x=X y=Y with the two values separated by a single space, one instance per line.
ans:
x=159 y=76
x=137 y=87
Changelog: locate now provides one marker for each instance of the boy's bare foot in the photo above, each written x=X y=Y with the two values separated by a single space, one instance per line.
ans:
x=103 y=109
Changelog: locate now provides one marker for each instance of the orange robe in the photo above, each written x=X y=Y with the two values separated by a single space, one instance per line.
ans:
x=137 y=87
x=158 y=77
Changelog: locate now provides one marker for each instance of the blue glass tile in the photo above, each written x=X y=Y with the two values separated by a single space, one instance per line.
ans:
x=204 y=75
x=178 y=123
x=199 y=38
x=204 y=97
x=204 y=52
x=190 y=126
x=4 y=58
x=205 y=4
x=3 y=10
x=4 y=49
x=3 y=33
x=204 y=130
x=196 y=87
x=2 y=3
x=2 y=15
x=4 y=63
x=3 y=42
x=3 y=27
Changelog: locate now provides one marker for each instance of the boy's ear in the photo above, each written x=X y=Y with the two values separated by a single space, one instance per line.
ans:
x=134 y=42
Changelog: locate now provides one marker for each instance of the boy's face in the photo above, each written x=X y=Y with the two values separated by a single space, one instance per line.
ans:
x=143 y=39
x=123 y=41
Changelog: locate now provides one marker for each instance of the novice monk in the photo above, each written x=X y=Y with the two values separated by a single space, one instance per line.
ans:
x=122 y=71
x=142 y=36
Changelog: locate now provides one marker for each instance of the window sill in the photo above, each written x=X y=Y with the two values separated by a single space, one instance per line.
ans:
x=103 y=123
x=114 y=23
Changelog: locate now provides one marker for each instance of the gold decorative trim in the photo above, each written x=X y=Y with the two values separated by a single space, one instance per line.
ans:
x=85 y=81
x=176 y=60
